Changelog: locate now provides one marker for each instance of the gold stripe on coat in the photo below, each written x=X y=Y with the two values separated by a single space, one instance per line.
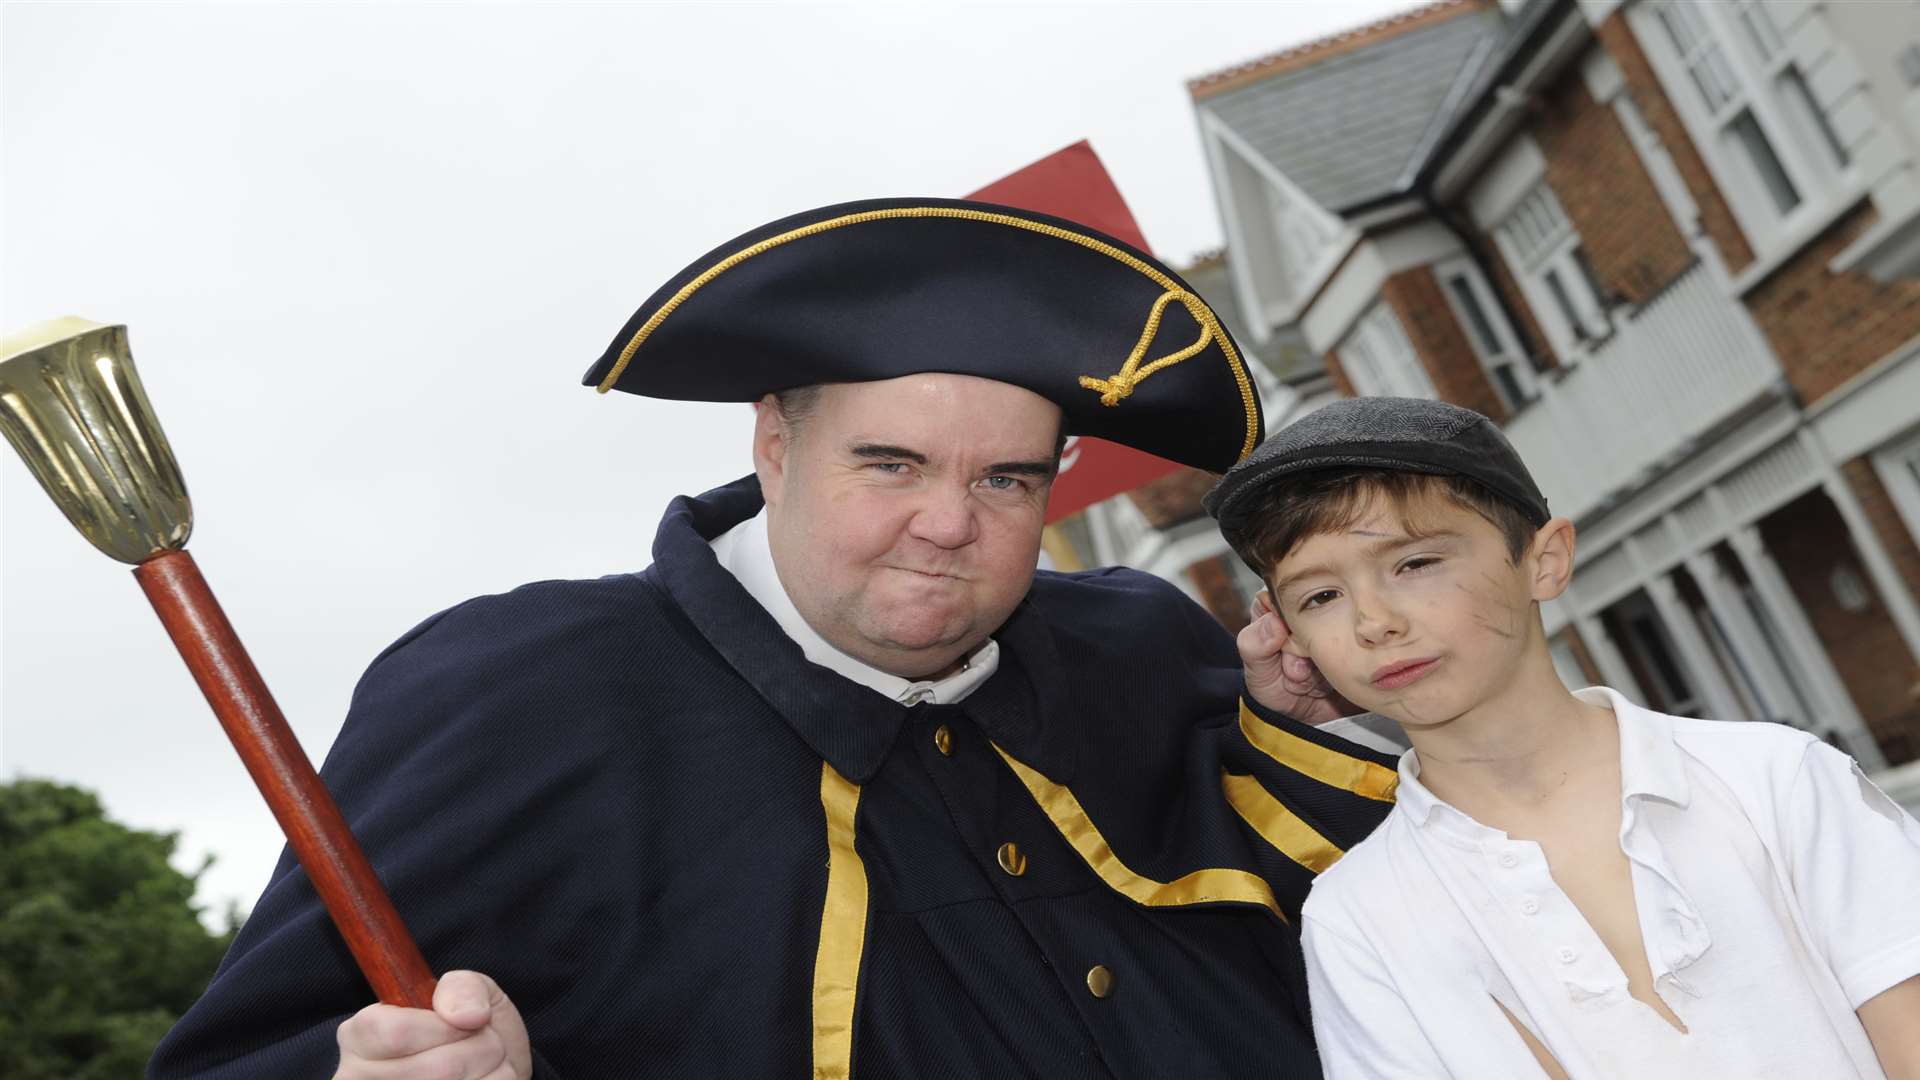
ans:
x=1199 y=887
x=1364 y=778
x=843 y=932
x=1277 y=825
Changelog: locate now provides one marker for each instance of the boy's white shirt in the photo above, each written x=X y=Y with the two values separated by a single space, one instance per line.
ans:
x=1777 y=891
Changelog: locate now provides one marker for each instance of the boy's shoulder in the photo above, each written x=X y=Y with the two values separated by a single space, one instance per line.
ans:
x=1740 y=750
x=1730 y=749
x=1370 y=874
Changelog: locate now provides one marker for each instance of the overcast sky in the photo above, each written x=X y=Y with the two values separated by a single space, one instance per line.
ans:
x=365 y=253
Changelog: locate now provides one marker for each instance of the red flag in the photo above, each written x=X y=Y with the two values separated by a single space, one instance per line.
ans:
x=1073 y=184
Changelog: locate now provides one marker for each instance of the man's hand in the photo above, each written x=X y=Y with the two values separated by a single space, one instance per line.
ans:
x=472 y=1032
x=1281 y=681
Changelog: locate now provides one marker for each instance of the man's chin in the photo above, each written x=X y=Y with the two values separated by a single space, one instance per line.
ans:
x=922 y=649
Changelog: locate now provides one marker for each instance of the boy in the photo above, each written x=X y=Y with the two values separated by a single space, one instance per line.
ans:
x=1568 y=883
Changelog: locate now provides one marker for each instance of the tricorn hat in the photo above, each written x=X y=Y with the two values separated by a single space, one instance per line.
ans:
x=890 y=287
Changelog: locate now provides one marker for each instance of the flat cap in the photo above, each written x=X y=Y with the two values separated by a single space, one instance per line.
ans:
x=1394 y=434
x=890 y=287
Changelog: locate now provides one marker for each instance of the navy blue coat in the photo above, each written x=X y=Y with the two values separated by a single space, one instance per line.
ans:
x=684 y=851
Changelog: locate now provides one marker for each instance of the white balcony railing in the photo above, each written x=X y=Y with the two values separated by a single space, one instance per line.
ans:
x=1688 y=360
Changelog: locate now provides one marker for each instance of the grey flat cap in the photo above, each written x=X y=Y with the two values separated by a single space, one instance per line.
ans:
x=1396 y=434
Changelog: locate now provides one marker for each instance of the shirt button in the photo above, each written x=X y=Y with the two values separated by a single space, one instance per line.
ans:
x=1099 y=981
x=943 y=740
x=1568 y=954
x=1012 y=859
x=1530 y=906
x=1509 y=860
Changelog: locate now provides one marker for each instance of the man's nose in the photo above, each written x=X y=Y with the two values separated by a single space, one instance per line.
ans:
x=946 y=519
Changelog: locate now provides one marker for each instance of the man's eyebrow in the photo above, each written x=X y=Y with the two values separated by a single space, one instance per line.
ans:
x=888 y=452
x=1041 y=467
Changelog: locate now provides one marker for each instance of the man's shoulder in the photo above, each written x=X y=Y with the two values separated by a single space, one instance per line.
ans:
x=549 y=629
x=1110 y=592
x=1117 y=608
x=1116 y=583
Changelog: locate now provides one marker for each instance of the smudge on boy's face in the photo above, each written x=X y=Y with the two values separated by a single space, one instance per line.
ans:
x=1414 y=611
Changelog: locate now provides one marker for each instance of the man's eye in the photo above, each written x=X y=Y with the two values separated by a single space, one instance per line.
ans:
x=1002 y=483
x=889 y=467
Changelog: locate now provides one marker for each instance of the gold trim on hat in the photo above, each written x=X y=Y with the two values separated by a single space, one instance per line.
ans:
x=1116 y=387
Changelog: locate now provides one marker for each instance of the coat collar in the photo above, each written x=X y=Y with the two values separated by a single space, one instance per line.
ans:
x=847 y=724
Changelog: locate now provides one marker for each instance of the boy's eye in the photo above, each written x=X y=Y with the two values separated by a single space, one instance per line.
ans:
x=1420 y=562
x=1313 y=600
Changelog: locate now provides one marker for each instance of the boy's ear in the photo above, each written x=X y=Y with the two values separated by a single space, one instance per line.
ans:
x=1549 y=559
x=1295 y=646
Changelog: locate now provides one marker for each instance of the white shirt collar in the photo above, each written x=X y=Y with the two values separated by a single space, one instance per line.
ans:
x=745 y=552
x=1650 y=765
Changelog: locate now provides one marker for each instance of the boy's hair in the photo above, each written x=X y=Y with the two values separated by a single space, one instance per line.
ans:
x=1282 y=516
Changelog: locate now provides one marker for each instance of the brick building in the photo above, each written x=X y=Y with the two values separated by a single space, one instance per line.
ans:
x=1674 y=248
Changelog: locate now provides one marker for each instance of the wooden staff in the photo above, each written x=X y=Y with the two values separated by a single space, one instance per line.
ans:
x=71 y=403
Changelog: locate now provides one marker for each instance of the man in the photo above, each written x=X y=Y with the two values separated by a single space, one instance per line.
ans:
x=838 y=785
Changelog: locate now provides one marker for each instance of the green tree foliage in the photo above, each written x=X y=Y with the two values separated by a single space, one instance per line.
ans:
x=101 y=947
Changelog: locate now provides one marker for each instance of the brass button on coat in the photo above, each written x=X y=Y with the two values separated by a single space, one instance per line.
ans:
x=1012 y=859
x=943 y=739
x=1099 y=981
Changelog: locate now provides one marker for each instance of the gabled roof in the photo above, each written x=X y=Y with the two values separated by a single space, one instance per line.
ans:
x=1352 y=117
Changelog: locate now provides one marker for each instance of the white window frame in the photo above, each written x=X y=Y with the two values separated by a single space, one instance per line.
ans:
x=1502 y=354
x=1739 y=55
x=1379 y=358
x=1899 y=467
x=1540 y=244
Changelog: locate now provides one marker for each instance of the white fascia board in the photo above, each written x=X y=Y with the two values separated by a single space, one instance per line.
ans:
x=1507 y=112
x=1872 y=407
x=1259 y=163
x=1568 y=41
x=1513 y=173
x=1313 y=274
x=1418 y=244
x=1599 y=11
x=1357 y=283
x=1384 y=217
x=1342 y=301
x=1226 y=200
